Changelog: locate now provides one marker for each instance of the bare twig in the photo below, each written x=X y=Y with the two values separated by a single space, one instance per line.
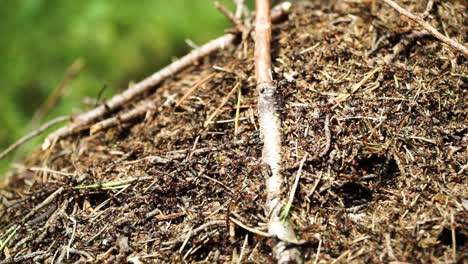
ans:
x=429 y=6
x=143 y=108
x=225 y=100
x=250 y=229
x=23 y=258
x=236 y=122
x=72 y=72
x=153 y=215
x=72 y=236
x=124 y=117
x=454 y=237
x=150 y=82
x=232 y=17
x=328 y=137
x=243 y=249
x=316 y=183
x=452 y=43
x=318 y=251
x=270 y=130
x=343 y=97
x=195 y=231
x=195 y=87
x=141 y=87
x=46 y=201
x=239 y=7
x=112 y=184
x=33 y=134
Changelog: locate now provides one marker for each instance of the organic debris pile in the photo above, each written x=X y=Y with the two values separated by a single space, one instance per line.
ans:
x=376 y=104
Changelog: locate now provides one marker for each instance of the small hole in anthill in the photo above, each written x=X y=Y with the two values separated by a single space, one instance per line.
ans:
x=94 y=198
x=371 y=164
x=446 y=237
x=384 y=168
x=354 y=194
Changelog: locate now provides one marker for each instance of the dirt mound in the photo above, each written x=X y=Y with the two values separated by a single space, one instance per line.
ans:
x=386 y=135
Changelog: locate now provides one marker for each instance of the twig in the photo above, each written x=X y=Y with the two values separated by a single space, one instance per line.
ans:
x=124 y=117
x=72 y=237
x=141 y=87
x=108 y=184
x=153 y=215
x=343 y=97
x=452 y=43
x=225 y=100
x=327 y=136
x=23 y=258
x=72 y=72
x=250 y=229
x=236 y=122
x=196 y=231
x=429 y=6
x=46 y=201
x=186 y=240
x=151 y=81
x=195 y=87
x=454 y=237
x=61 y=173
x=270 y=131
x=318 y=251
x=88 y=256
x=239 y=8
x=218 y=182
x=243 y=249
x=233 y=18
x=33 y=134
x=315 y=184
x=267 y=104
x=142 y=109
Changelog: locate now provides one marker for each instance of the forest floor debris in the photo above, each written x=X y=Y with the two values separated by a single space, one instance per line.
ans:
x=391 y=185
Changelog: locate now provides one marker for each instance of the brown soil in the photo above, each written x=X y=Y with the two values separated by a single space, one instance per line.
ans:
x=392 y=186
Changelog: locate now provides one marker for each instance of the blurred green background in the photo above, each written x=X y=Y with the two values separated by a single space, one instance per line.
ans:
x=114 y=41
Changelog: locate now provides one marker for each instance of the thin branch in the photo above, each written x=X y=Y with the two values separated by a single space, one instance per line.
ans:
x=33 y=134
x=452 y=43
x=327 y=136
x=147 y=84
x=195 y=231
x=232 y=17
x=236 y=122
x=44 y=203
x=124 y=117
x=23 y=258
x=239 y=8
x=429 y=6
x=270 y=131
x=267 y=104
x=195 y=87
x=225 y=100
x=71 y=73
x=250 y=229
x=141 y=87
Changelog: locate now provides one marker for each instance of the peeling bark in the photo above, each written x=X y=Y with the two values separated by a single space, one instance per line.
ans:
x=270 y=130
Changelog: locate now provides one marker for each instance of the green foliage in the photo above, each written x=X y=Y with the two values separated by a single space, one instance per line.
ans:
x=119 y=42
